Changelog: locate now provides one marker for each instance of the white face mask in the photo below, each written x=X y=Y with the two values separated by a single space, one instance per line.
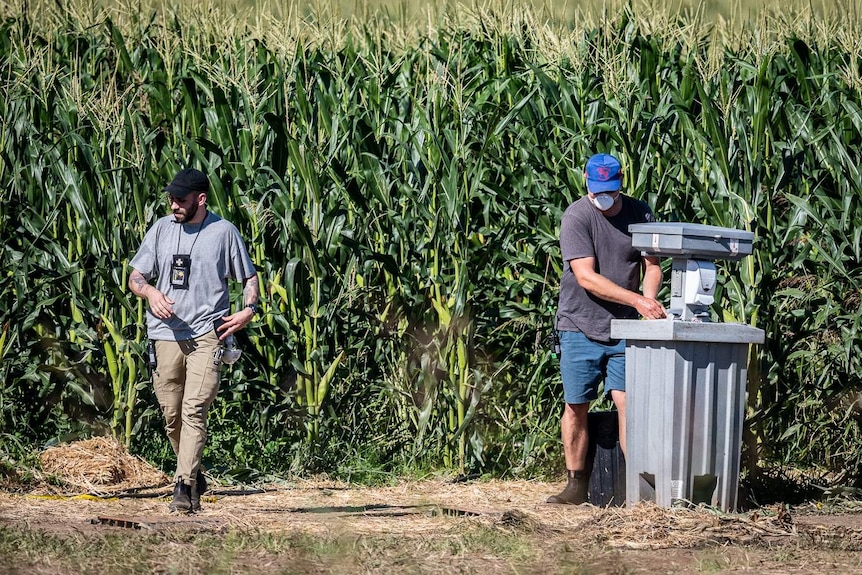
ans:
x=604 y=202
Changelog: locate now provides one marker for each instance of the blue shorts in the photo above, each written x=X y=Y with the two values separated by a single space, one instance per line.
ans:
x=585 y=362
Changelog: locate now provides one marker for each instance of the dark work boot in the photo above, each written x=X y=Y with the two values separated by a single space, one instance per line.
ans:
x=182 y=497
x=576 y=489
x=199 y=488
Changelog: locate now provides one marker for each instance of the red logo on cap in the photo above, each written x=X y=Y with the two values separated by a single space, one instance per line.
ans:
x=604 y=173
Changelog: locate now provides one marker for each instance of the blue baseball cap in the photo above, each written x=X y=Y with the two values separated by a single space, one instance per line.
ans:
x=603 y=174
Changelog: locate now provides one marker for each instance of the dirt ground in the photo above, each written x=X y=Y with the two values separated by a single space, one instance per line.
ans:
x=643 y=539
x=91 y=499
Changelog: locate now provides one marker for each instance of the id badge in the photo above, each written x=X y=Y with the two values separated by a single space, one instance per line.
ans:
x=180 y=271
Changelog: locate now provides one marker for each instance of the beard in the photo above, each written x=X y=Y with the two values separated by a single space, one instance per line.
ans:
x=182 y=216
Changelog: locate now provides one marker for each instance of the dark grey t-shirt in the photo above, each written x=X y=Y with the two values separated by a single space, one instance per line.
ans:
x=217 y=253
x=586 y=232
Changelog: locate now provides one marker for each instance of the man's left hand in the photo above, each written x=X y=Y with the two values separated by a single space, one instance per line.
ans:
x=235 y=322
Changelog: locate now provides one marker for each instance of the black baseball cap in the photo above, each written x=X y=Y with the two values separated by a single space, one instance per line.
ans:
x=188 y=181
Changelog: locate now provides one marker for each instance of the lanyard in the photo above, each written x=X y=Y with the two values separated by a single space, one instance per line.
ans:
x=197 y=233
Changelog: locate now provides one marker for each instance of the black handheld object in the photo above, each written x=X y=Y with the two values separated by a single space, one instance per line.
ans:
x=151 y=355
x=217 y=323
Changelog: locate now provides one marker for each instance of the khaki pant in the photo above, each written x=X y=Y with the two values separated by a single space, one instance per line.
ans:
x=186 y=381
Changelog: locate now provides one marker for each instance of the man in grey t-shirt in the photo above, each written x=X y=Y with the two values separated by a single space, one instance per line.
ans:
x=190 y=255
x=601 y=277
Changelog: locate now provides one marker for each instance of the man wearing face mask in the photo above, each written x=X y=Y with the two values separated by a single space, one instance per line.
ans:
x=601 y=280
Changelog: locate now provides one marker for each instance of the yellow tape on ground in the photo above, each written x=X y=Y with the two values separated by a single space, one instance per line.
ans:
x=82 y=496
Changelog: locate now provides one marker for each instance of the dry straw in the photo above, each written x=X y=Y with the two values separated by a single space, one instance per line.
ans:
x=99 y=465
x=648 y=526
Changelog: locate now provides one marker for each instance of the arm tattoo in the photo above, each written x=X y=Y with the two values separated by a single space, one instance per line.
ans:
x=140 y=284
x=251 y=290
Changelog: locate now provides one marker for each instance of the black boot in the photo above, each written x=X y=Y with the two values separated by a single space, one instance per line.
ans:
x=199 y=488
x=576 y=489
x=182 y=497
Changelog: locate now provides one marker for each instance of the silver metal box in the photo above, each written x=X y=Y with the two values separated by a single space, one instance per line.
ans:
x=692 y=241
x=685 y=409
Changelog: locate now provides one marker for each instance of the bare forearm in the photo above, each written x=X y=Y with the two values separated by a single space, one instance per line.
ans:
x=603 y=288
x=652 y=281
x=251 y=291
x=138 y=284
x=237 y=321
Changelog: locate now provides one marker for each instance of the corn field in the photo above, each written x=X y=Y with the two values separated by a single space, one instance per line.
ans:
x=400 y=188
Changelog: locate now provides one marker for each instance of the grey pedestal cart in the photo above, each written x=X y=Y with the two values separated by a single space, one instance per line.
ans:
x=686 y=376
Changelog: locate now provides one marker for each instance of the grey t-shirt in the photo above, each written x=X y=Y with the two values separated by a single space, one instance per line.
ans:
x=586 y=232
x=217 y=253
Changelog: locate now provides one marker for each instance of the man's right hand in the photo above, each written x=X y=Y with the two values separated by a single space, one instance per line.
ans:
x=160 y=305
x=650 y=308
